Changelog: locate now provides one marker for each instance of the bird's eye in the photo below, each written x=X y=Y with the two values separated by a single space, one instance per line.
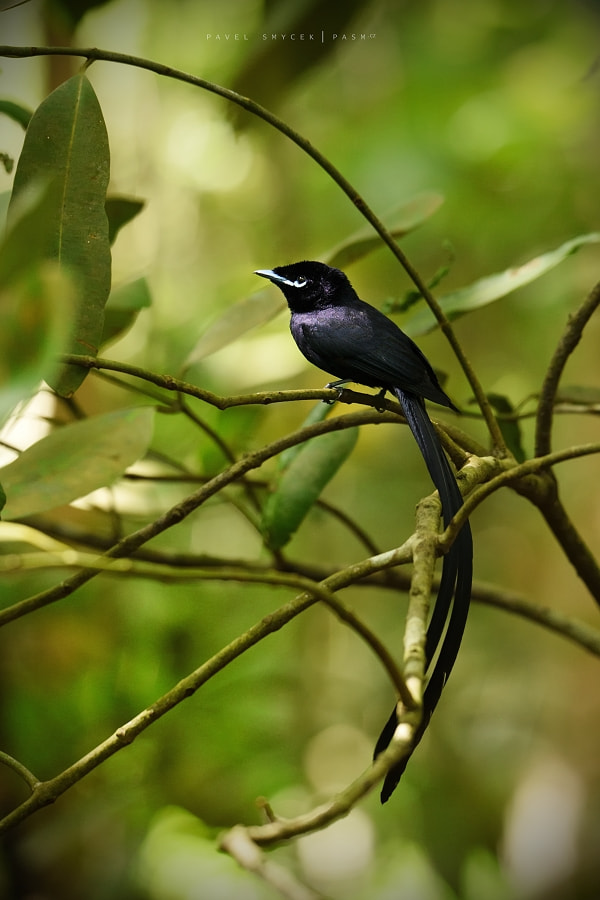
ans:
x=301 y=281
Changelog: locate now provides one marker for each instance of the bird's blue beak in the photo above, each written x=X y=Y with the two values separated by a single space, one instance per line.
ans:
x=274 y=277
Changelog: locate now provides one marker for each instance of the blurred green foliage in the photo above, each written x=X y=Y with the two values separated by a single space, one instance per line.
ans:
x=495 y=105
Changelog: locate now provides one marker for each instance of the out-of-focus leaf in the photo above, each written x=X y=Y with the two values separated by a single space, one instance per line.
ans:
x=75 y=460
x=66 y=143
x=19 y=114
x=236 y=321
x=301 y=483
x=36 y=312
x=493 y=287
x=265 y=304
x=29 y=230
x=178 y=842
x=269 y=72
x=4 y=201
x=76 y=9
x=37 y=299
x=124 y=304
x=510 y=428
x=120 y=211
x=400 y=222
x=577 y=394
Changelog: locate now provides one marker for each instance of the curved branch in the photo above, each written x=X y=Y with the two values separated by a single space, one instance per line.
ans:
x=22 y=771
x=571 y=629
x=566 y=345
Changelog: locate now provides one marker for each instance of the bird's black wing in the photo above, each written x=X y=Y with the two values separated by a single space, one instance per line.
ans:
x=360 y=344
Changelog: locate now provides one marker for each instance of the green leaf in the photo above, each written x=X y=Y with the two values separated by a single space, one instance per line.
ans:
x=75 y=460
x=510 y=428
x=301 y=483
x=124 y=304
x=255 y=310
x=406 y=218
x=38 y=308
x=37 y=299
x=120 y=211
x=19 y=114
x=578 y=395
x=4 y=201
x=318 y=413
x=66 y=144
x=493 y=287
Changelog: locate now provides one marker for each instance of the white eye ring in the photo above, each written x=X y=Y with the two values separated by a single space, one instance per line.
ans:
x=300 y=282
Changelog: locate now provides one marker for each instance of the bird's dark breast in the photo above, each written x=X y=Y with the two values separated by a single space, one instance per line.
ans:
x=324 y=341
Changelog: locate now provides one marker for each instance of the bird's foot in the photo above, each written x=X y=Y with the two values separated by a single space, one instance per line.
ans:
x=380 y=400
x=336 y=386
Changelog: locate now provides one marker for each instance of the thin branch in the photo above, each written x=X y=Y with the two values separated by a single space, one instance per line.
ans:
x=22 y=771
x=566 y=626
x=247 y=854
x=568 y=341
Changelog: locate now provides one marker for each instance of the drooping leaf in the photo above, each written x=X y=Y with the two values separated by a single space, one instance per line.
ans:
x=493 y=287
x=406 y=218
x=66 y=144
x=238 y=319
x=301 y=483
x=74 y=460
x=19 y=114
x=120 y=211
x=510 y=428
x=124 y=304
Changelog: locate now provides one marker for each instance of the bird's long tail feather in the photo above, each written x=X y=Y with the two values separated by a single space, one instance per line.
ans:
x=452 y=604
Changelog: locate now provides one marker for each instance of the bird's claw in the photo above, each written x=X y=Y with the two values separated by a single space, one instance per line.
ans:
x=338 y=387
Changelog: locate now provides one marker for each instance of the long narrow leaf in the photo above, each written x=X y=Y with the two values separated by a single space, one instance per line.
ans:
x=67 y=144
x=302 y=482
x=494 y=287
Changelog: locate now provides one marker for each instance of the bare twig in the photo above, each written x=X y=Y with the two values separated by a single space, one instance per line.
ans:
x=568 y=341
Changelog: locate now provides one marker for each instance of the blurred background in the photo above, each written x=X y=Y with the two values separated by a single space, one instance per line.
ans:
x=494 y=105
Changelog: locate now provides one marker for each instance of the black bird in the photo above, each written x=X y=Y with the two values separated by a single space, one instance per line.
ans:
x=348 y=338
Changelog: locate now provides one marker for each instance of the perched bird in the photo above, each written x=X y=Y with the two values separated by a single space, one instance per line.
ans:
x=348 y=338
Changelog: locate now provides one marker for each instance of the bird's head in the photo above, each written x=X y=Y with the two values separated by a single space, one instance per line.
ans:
x=308 y=285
